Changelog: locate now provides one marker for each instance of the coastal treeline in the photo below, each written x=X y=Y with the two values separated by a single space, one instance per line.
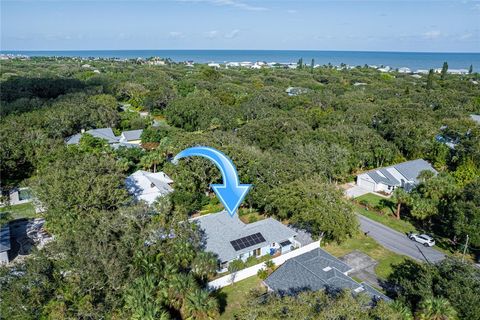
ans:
x=114 y=259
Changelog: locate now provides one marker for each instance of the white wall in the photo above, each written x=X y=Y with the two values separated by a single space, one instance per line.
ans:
x=252 y=271
x=3 y=257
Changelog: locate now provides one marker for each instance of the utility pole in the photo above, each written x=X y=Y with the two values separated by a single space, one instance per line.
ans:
x=465 y=249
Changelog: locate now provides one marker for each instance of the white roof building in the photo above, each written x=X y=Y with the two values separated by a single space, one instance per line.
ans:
x=148 y=186
x=214 y=65
x=404 y=70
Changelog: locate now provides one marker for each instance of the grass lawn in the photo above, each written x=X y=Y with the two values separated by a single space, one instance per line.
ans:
x=250 y=216
x=385 y=215
x=388 y=219
x=212 y=207
x=25 y=210
x=384 y=205
x=233 y=297
x=369 y=246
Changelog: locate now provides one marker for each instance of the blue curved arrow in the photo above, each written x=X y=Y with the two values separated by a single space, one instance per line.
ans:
x=231 y=192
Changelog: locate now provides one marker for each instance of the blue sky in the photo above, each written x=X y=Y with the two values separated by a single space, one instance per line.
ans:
x=388 y=25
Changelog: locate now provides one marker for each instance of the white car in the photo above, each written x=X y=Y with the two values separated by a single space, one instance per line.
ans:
x=424 y=239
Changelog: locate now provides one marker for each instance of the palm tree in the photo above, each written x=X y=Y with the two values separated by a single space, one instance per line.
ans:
x=204 y=264
x=402 y=310
x=200 y=305
x=150 y=160
x=141 y=302
x=436 y=309
x=400 y=196
x=179 y=286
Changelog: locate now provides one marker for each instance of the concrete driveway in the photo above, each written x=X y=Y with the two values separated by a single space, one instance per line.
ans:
x=355 y=192
x=398 y=242
x=363 y=267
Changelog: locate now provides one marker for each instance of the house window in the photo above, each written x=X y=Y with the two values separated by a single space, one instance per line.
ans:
x=256 y=252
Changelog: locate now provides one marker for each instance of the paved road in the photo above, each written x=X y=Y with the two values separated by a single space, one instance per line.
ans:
x=398 y=242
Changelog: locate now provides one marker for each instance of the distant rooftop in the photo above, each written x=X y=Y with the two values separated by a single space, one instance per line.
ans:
x=475 y=117
x=132 y=134
x=409 y=169
x=148 y=186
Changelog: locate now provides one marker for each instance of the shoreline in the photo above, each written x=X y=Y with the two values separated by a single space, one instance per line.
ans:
x=379 y=59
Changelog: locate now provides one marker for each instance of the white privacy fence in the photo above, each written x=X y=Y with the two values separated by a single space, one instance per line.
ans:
x=252 y=271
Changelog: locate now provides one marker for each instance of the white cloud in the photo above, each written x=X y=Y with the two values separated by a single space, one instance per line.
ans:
x=211 y=34
x=466 y=36
x=230 y=3
x=431 y=35
x=176 y=35
x=232 y=34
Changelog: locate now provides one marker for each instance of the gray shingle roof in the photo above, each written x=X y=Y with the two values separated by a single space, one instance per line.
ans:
x=102 y=133
x=4 y=238
x=316 y=270
x=374 y=292
x=220 y=228
x=385 y=180
x=132 y=134
x=411 y=169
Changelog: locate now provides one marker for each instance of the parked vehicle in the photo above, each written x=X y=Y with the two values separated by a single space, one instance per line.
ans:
x=424 y=239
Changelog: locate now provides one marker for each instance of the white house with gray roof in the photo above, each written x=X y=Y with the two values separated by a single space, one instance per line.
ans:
x=403 y=175
x=128 y=139
x=476 y=118
x=230 y=239
x=131 y=136
x=147 y=186
x=317 y=270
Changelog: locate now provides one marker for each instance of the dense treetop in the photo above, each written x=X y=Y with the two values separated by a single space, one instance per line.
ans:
x=112 y=259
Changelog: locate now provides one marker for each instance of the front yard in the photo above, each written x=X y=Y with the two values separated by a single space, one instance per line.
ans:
x=24 y=210
x=235 y=296
x=369 y=246
x=383 y=211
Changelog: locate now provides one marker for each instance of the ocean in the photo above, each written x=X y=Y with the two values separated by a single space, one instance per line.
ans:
x=412 y=60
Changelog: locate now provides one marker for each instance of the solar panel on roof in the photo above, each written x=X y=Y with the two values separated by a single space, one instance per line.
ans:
x=247 y=241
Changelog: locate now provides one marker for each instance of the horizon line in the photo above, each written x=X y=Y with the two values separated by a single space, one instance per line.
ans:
x=299 y=50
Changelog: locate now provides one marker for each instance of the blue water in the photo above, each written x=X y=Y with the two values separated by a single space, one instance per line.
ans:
x=413 y=60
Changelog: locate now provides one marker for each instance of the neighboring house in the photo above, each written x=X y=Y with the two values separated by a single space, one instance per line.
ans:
x=148 y=186
x=476 y=118
x=404 y=70
x=4 y=243
x=20 y=196
x=449 y=142
x=295 y=91
x=128 y=139
x=214 y=65
x=317 y=270
x=230 y=239
x=403 y=175
x=102 y=133
x=132 y=136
